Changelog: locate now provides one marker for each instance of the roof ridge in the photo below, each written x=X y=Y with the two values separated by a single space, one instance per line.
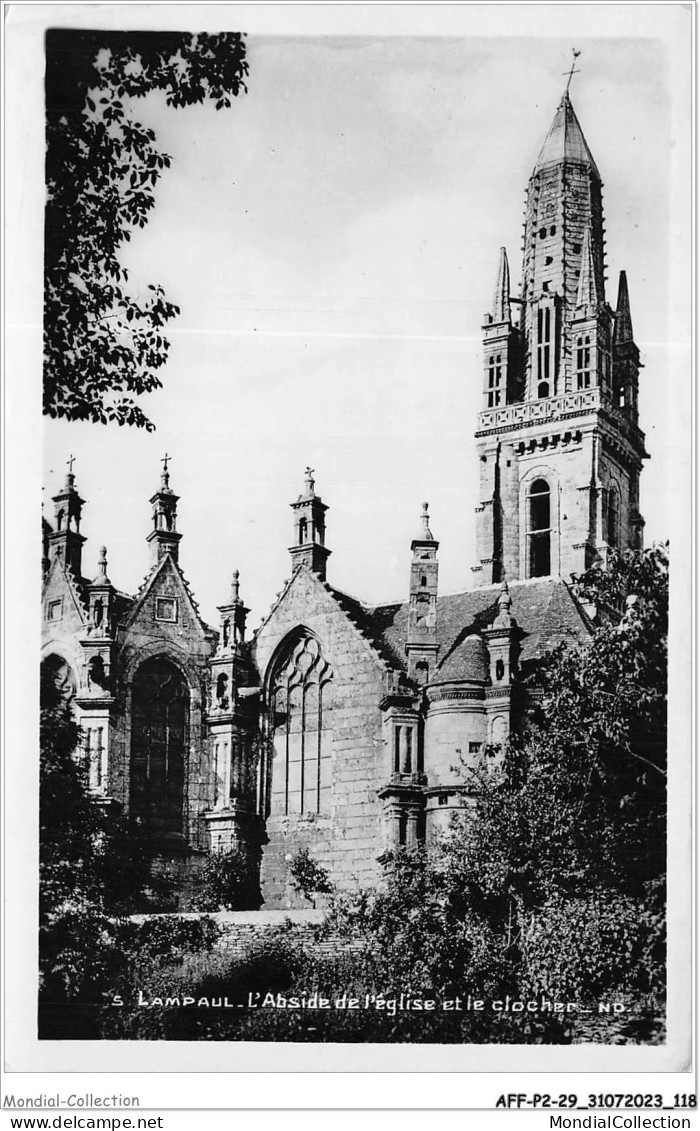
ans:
x=275 y=603
x=376 y=645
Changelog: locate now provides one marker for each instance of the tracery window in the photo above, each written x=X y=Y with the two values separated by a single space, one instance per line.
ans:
x=300 y=780
x=159 y=717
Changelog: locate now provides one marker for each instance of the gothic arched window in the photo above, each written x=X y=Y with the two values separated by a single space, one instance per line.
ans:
x=613 y=517
x=539 y=532
x=159 y=717
x=300 y=778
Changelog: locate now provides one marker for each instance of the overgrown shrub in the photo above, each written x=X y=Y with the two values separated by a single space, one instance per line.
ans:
x=308 y=876
x=228 y=881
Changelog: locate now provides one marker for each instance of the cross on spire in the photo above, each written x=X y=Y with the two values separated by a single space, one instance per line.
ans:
x=164 y=461
x=573 y=70
x=70 y=461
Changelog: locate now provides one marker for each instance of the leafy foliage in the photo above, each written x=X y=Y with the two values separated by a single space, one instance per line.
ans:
x=228 y=881
x=550 y=887
x=554 y=882
x=102 y=344
x=308 y=876
x=87 y=856
x=69 y=822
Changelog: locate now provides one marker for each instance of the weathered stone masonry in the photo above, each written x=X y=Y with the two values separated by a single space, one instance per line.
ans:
x=340 y=728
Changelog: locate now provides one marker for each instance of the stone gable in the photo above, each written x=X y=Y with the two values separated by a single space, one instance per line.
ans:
x=347 y=837
x=63 y=616
x=165 y=614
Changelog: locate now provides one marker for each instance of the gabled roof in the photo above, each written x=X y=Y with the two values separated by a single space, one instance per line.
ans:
x=565 y=140
x=353 y=610
x=545 y=612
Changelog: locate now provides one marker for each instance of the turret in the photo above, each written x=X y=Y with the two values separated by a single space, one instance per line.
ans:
x=230 y=666
x=66 y=541
x=232 y=719
x=591 y=329
x=308 y=547
x=501 y=344
x=164 y=537
x=421 y=636
x=626 y=363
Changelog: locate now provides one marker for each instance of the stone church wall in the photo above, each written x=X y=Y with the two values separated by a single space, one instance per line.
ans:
x=347 y=840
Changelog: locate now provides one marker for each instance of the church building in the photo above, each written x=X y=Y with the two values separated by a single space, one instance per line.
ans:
x=339 y=727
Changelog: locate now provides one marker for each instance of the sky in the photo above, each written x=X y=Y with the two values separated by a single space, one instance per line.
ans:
x=332 y=241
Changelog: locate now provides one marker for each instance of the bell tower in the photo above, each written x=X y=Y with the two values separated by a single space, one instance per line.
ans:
x=559 y=446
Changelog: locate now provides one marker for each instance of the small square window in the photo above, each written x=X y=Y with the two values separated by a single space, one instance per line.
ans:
x=54 y=610
x=442 y=799
x=166 y=609
x=474 y=747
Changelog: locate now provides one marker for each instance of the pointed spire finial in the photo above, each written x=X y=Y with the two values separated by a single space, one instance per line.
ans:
x=587 y=287
x=503 y=617
x=102 y=578
x=501 y=298
x=165 y=477
x=573 y=70
x=623 y=316
x=235 y=587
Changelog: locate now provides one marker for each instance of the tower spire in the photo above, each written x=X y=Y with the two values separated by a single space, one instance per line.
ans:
x=623 y=314
x=532 y=521
x=501 y=298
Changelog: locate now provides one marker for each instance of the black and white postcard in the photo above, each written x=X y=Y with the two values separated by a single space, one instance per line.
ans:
x=348 y=364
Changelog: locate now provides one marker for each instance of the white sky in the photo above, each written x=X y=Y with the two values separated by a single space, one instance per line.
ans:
x=332 y=241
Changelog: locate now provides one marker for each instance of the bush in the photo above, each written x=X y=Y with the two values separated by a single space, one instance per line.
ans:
x=228 y=881
x=309 y=877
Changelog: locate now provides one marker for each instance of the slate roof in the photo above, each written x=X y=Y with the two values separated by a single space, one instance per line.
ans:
x=565 y=140
x=545 y=611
